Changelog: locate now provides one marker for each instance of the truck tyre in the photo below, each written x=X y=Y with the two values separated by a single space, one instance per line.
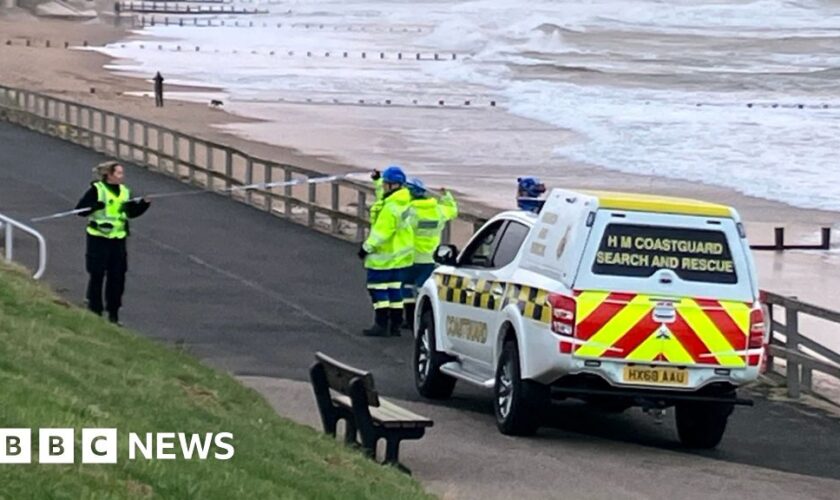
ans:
x=701 y=425
x=429 y=380
x=519 y=404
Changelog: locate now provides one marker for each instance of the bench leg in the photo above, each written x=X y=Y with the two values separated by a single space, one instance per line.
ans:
x=321 y=388
x=350 y=433
x=369 y=448
x=392 y=451
x=392 y=455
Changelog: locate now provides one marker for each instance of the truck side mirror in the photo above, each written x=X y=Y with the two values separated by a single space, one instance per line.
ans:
x=446 y=255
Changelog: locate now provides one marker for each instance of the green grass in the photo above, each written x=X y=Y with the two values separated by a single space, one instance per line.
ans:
x=62 y=367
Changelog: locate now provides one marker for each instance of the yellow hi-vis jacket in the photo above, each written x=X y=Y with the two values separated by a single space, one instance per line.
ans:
x=429 y=220
x=391 y=241
x=109 y=222
x=379 y=193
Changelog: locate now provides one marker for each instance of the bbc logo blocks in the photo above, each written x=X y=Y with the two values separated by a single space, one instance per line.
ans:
x=57 y=446
x=100 y=446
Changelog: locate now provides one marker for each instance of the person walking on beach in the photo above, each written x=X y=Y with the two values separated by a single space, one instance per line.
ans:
x=158 y=90
x=388 y=253
x=106 y=259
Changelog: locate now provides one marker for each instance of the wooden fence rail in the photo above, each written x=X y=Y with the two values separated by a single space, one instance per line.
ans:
x=802 y=354
x=340 y=208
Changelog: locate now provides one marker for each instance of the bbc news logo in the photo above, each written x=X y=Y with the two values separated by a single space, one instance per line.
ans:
x=99 y=446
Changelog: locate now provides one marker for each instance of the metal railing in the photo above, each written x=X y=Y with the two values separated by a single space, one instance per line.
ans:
x=339 y=208
x=803 y=355
x=8 y=225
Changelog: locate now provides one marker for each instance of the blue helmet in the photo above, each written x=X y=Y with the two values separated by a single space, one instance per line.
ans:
x=416 y=187
x=530 y=188
x=393 y=175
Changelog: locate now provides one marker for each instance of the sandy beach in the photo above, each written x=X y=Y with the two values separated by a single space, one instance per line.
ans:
x=341 y=138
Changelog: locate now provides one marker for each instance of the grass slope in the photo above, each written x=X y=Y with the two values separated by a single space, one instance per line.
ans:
x=62 y=367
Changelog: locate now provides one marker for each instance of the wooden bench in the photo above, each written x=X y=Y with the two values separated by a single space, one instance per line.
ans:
x=347 y=393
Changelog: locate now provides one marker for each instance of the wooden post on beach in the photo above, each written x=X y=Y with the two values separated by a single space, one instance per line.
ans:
x=826 y=238
x=779 y=238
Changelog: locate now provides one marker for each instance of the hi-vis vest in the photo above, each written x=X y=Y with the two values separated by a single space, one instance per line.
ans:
x=429 y=219
x=391 y=241
x=379 y=193
x=110 y=222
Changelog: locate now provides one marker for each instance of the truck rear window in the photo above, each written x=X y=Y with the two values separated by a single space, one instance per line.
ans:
x=640 y=251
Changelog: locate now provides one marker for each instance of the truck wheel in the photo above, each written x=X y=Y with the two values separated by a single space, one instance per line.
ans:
x=702 y=425
x=519 y=404
x=429 y=380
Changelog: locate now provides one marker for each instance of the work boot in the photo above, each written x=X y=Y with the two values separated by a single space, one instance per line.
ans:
x=114 y=317
x=396 y=322
x=408 y=324
x=380 y=324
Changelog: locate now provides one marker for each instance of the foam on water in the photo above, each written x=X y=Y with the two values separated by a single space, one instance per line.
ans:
x=627 y=74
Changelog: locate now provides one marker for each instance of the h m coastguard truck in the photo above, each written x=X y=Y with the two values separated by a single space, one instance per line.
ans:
x=619 y=300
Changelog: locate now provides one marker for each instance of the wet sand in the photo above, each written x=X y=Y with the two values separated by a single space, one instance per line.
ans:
x=342 y=138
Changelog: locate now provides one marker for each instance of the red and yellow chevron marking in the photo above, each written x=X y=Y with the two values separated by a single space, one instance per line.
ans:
x=622 y=326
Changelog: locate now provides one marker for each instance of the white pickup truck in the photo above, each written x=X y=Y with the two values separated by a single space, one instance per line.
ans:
x=617 y=299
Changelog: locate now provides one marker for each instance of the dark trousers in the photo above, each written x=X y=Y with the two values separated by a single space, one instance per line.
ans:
x=106 y=261
x=159 y=99
x=385 y=289
x=414 y=279
x=416 y=275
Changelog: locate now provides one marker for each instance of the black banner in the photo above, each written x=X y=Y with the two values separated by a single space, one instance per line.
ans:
x=640 y=251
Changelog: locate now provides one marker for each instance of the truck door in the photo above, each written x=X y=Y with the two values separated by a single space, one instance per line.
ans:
x=465 y=326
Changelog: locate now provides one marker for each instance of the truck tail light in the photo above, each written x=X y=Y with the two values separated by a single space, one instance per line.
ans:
x=562 y=314
x=757 y=329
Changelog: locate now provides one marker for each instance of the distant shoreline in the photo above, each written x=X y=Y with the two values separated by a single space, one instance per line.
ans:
x=306 y=138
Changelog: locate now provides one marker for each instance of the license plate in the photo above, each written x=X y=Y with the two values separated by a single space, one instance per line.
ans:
x=658 y=375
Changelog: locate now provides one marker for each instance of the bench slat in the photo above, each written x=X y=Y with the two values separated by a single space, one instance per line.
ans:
x=339 y=376
x=399 y=411
x=388 y=414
